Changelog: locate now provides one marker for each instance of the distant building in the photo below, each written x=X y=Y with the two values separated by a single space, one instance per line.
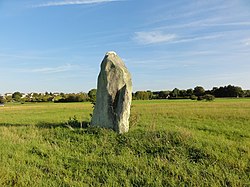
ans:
x=8 y=94
x=24 y=95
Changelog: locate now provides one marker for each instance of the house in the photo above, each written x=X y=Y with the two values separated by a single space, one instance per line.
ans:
x=24 y=95
x=8 y=94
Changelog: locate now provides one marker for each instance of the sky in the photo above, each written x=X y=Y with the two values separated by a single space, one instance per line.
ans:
x=58 y=45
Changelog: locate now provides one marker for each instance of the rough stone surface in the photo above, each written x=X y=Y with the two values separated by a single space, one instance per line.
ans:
x=114 y=95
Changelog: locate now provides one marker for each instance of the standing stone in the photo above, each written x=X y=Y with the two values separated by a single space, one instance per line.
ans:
x=114 y=95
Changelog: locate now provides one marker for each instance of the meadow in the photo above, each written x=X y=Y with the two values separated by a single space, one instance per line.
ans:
x=170 y=143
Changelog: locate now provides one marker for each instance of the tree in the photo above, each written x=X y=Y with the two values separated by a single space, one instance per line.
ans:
x=150 y=94
x=92 y=95
x=82 y=97
x=16 y=96
x=208 y=97
x=183 y=94
x=237 y=91
x=57 y=98
x=37 y=97
x=175 y=93
x=228 y=91
x=199 y=91
x=163 y=94
x=246 y=93
x=193 y=97
x=8 y=98
x=2 y=100
x=142 y=95
x=190 y=92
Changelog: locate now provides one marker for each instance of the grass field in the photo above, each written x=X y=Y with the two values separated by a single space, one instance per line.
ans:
x=170 y=143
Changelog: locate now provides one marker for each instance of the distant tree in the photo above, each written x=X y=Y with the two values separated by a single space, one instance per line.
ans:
x=199 y=91
x=34 y=97
x=208 y=97
x=92 y=95
x=237 y=91
x=175 y=93
x=8 y=98
x=214 y=91
x=58 y=98
x=193 y=97
x=190 y=92
x=37 y=97
x=246 y=93
x=163 y=94
x=200 y=98
x=28 y=98
x=2 y=100
x=218 y=92
x=16 y=96
x=183 y=94
x=46 y=98
x=72 y=97
x=142 y=95
x=228 y=91
x=82 y=97
x=150 y=94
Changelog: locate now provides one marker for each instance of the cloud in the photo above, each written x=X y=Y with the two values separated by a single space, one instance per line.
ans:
x=48 y=70
x=72 y=2
x=243 y=23
x=196 y=38
x=247 y=42
x=153 y=37
x=160 y=37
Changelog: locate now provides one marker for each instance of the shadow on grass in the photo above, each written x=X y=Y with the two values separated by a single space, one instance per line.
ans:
x=46 y=125
x=82 y=128
x=13 y=125
x=73 y=125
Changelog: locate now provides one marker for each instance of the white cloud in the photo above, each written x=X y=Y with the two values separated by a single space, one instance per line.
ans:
x=153 y=37
x=243 y=23
x=58 y=69
x=72 y=2
x=160 y=37
x=247 y=42
x=209 y=22
x=196 y=38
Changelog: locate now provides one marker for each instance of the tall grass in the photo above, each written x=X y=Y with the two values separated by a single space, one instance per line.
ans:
x=170 y=143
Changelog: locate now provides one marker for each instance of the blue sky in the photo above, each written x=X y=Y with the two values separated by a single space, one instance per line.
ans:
x=58 y=45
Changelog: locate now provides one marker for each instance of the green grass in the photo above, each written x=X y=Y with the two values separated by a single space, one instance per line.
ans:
x=170 y=143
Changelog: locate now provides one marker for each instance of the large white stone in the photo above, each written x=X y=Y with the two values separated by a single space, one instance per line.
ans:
x=114 y=95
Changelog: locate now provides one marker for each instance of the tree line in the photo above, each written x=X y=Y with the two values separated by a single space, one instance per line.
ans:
x=197 y=93
x=49 y=97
